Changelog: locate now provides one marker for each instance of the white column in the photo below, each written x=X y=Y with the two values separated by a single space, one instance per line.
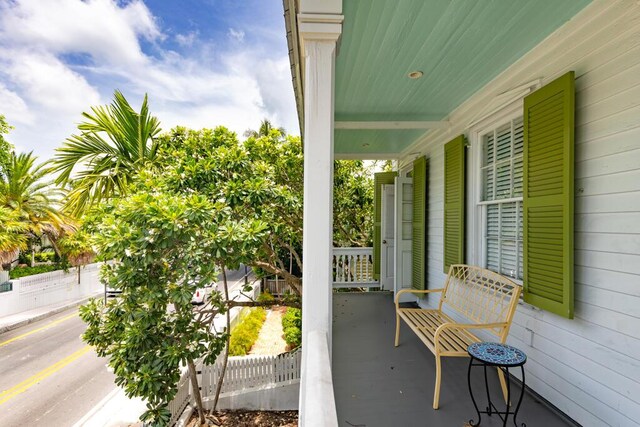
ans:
x=319 y=35
x=318 y=185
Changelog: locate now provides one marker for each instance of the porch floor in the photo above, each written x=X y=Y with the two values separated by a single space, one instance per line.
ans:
x=377 y=384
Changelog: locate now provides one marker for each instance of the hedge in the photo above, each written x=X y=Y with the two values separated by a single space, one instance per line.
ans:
x=245 y=334
x=30 y=271
x=292 y=327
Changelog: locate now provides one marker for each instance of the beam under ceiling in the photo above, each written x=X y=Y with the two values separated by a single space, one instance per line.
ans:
x=393 y=125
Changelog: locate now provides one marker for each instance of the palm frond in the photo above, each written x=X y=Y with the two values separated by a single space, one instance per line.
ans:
x=114 y=143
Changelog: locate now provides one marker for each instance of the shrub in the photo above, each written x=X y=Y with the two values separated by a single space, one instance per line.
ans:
x=292 y=318
x=292 y=326
x=293 y=337
x=45 y=256
x=245 y=334
x=266 y=297
x=30 y=271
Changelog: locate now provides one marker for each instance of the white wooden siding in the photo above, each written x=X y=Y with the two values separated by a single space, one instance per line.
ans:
x=589 y=367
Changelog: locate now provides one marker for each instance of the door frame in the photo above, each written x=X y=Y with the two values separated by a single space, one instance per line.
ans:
x=398 y=261
x=384 y=262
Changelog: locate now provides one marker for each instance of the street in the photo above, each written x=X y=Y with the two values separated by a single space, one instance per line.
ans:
x=49 y=377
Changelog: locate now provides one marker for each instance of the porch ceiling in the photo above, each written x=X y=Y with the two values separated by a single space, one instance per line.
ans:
x=459 y=45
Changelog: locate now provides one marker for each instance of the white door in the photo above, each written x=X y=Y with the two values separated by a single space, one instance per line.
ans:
x=403 y=232
x=387 y=231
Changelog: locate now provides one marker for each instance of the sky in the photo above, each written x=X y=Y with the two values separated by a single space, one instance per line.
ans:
x=203 y=63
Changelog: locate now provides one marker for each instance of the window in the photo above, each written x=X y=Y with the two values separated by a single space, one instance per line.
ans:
x=501 y=199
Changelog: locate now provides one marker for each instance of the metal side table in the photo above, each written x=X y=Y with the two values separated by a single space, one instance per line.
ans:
x=503 y=357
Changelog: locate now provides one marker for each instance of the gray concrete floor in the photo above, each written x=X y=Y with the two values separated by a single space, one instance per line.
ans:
x=377 y=384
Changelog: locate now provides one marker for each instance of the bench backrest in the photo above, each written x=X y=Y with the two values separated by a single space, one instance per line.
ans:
x=481 y=296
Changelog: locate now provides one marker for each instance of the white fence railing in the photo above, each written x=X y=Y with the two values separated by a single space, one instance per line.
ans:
x=353 y=267
x=247 y=372
x=50 y=288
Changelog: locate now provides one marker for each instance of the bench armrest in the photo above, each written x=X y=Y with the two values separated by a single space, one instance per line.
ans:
x=413 y=291
x=449 y=325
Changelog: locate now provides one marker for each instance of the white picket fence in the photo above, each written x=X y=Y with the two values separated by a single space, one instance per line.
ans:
x=182 y=397
x=244 y=374
x=248 y=372
x=50 y=288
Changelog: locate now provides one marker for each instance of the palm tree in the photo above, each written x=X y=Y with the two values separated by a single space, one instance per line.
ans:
x=114 y=143
x=265 y=128
x=30 y=204
x=13 y=235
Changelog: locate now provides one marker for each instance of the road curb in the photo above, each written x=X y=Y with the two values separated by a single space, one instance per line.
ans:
x=56 y=310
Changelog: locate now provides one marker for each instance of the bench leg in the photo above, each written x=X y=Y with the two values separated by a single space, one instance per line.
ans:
x=436 y=392
x=397 y=329
x=503 y=384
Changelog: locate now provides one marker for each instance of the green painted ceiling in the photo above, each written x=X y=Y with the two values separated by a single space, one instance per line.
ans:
x=460 y=45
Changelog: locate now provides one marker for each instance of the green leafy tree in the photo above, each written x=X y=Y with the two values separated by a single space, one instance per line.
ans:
x=258 y=178
x=114 y=143
x=5 y=146
x=164 y=245
x=352 y=204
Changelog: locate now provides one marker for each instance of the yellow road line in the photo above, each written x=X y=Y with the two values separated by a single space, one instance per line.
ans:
x=50 y=325
x=26 y=384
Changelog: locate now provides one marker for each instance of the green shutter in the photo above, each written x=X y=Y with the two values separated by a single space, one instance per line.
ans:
x=419 y=235
x=379 y=179
x=454 y=184
x=548 y=196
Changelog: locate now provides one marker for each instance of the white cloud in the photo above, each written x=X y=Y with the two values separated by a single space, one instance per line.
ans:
x=186 y=40
x=236 y=35
x=44 y=95
x=13 y=107
x=100 y=28
x=47 y=82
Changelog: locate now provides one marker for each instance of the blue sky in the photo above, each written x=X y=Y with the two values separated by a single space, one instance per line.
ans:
x=203 y=63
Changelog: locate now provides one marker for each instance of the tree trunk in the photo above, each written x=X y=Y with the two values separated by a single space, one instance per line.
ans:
x=196 y=390
x=226 y=349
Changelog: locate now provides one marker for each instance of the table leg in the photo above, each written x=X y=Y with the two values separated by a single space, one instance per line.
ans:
x=506 y=410
x=515 y=414
x=475 y=405
x=486 y=386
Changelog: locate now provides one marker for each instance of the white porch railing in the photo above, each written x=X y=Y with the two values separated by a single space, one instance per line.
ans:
x=353 y=267
x=317 y=400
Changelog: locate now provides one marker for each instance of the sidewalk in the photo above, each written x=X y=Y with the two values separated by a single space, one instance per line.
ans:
x=115 y=410
x=17 y=320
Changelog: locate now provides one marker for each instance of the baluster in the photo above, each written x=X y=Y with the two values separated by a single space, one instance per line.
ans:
x=354 y=267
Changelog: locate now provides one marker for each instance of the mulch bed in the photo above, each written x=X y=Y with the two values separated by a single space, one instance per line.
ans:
x=252 y=418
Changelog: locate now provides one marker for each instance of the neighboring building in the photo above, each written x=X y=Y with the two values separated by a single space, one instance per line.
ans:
x=516 y=124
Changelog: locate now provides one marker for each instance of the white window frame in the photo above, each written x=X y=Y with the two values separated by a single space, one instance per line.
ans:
x=476 y=249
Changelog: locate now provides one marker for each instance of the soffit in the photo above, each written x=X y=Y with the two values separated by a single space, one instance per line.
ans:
x=459 y=45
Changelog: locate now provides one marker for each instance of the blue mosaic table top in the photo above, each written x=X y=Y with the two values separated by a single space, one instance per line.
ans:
x=497 y=354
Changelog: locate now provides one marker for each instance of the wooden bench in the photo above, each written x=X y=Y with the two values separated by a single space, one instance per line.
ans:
x=486 y=299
